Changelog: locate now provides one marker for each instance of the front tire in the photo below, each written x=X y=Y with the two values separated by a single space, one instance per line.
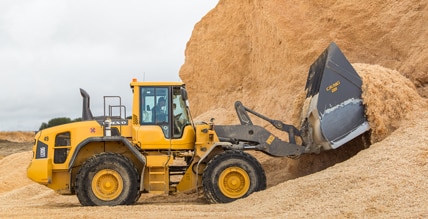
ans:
x=107 y=179
x=232 y=175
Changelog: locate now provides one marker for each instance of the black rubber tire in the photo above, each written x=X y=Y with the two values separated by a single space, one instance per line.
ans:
x=230 y=160
x=124 y=171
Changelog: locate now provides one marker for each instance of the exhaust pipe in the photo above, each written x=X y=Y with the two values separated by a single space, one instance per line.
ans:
x=86 y=111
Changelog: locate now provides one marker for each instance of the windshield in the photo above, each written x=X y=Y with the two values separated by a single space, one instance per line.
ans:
x=166 y=107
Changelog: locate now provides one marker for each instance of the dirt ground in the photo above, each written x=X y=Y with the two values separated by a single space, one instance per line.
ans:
x=8 y=148
x=259 y=52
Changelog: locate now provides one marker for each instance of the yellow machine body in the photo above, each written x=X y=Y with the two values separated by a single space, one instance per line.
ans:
x=60 y=151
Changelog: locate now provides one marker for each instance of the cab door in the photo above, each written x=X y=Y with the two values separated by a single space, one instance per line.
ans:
x=165 y=122
x=154 y=131
x=182 y=130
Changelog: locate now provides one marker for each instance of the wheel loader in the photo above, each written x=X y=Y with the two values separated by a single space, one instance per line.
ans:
x=112 y=159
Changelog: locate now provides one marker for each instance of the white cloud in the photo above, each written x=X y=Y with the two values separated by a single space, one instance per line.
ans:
x=50 y=49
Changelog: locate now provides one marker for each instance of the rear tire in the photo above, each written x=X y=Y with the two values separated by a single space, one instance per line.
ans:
x=107 y=179
x=232 y=175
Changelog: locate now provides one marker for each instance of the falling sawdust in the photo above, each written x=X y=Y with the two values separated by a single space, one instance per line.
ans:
x=389 y=99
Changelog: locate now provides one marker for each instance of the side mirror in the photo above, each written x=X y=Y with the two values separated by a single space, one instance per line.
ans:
x=184 y=94
x=147 y=108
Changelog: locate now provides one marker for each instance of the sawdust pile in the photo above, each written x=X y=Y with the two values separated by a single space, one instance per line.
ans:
x=389 y=98
x=259 y=52
x=17 y=136
x=10 y=180
x=386 y=180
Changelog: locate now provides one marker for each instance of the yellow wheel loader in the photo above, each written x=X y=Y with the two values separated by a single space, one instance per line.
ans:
x=112 y=159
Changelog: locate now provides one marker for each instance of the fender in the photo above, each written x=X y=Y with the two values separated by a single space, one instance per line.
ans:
x=125 y=141
x=210 y=152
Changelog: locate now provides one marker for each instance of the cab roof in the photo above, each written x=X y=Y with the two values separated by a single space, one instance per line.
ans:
x=134 y=82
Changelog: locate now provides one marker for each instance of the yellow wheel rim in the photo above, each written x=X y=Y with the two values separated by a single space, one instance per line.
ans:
x=234 y=182
x=107 y=184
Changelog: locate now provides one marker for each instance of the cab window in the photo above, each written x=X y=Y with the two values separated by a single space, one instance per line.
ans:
x=62 y=147
x=155 y=108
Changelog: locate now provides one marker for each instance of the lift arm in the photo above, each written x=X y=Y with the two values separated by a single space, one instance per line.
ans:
x=248 y=136
x=241 y=110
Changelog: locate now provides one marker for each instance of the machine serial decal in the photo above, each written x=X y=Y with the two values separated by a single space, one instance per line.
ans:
x=43 y=152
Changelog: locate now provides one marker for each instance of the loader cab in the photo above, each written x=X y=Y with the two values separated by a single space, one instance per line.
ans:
x=161 y=117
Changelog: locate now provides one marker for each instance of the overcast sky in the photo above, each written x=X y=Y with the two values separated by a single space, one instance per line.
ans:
x=50 y=49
